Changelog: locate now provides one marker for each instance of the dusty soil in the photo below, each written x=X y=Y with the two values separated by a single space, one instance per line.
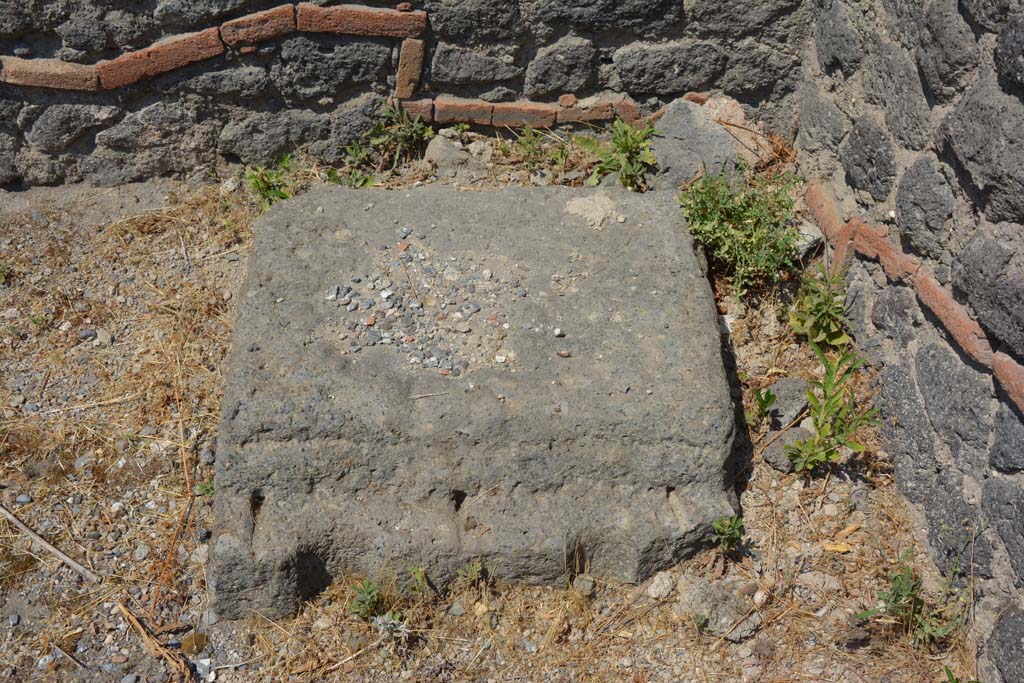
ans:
x=115 y=316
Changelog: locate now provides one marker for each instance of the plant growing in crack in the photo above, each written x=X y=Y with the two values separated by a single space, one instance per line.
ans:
x=628 y=154
x=835 y=417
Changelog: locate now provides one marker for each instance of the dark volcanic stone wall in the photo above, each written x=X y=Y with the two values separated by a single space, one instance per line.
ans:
x=320 y=91
x=913 y=110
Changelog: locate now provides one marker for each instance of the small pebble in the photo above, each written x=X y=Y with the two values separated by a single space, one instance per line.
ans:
x=14 y=620
x=23 y=499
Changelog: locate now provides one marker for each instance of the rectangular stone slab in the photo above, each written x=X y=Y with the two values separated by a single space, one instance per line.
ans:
x=566 y=409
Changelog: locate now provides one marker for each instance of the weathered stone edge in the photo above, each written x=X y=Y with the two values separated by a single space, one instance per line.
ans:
x=241 y=33
x=858 y=236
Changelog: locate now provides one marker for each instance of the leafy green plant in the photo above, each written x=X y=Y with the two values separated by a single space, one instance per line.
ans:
x=398 y=138
x=529 y=144
x=5 y=272
x=391 y=625
x=953 y=678
x=765 y=401
x=820 y=310
x=628 y=154
x=271 y=185
x=366 y=600
x=834 y=414
x=727 y=532
x=745 y=221
x=903 y=602
x=419 y=586
x=472 y=574
x=204 y=488
x=354 y=178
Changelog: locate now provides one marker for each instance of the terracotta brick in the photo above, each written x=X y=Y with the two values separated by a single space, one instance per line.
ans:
x=448 y=109
x=589 y=109
x=48 y=73
x=819 y=200
x=954 y=317
x=421 y=108
x=696 y=97
x=627 y=110
x=567 y=100
x=361 y=21
x=166 y=55
x=404 y=7
x=523 y=113
x=842 y=245
x=260 y=26
x=1010 y=375
x=410 y=66
x=874 y=244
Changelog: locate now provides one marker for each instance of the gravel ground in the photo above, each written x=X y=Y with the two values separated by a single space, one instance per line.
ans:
x=115 y=317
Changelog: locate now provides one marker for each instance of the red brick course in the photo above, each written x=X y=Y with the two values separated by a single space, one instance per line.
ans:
x=1010 y=375
x=422 y=108
x=819 y=200
x=449 y=109
x=361 y=21
x=627 y=110
x=954 y=317
x=410 y=65
x=589 y=109
x=523 y=113
x=48 y=73
x=260 y=26
x=874 y=244
x=167 y=55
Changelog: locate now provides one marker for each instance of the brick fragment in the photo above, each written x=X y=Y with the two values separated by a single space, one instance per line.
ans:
x=823 y=207
x=1010 y=375
x=404 y=7
x=954 y=318
x=48 y=73
x=361 y=21
x=627 y=110
x=874 y=244
x=449 y=109
x=410 y=66
x=166 y=55
x=523 y=113
x=842 y=246
x=589 y=109
x=421 y=108
x=567 y=100
x=255 y=28
x=697 y=98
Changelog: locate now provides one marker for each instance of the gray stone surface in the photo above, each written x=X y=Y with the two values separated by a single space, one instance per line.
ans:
x=1005 y=647
x=924 y=204
x=237 y=81
x=994 y=284
x=613 y=438
x=908 y=435
x=955 y=530
x=790 y=400
x=689 y=140
x=1003 y=502
x=891 y=81
x=985 y=132
x=1007 y=452
x=318 y=66
x=869 y=159
x=896 y=313
x=564 y=67
x=947 y=51
x=61 y=125
x=958 y=400
x=1009 y=53
x=718 y=610
x=474 y=21
x=990 y=14
x=837 y=41
x=457 y=65
x=743 y=18
x=642 y=16
x=669 y=68
x=822 y=123
x=754 y=68
x=775 y=454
